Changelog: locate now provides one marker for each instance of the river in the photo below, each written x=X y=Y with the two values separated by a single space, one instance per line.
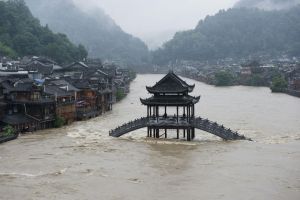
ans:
x=81 y=161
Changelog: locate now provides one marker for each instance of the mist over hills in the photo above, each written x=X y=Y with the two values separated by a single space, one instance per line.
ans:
x=268 y=4
x=236 y=33
x=101 y=36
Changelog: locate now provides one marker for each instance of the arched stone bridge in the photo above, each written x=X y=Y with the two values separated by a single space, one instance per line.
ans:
x=198 y=123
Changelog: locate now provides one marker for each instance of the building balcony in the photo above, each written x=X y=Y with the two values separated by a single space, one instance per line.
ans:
x=64 y=103
x=32 y=101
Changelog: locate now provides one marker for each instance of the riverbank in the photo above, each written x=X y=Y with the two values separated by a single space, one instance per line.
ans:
x=59 y=102
x=290 y=92
x=4 y=139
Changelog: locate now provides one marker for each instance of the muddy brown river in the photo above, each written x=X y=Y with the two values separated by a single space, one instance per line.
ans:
x=81 y=161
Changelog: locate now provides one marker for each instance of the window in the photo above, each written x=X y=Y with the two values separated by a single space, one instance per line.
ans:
x=35 y=96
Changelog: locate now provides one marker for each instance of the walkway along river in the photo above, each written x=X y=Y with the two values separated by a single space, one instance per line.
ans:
x=82 y=162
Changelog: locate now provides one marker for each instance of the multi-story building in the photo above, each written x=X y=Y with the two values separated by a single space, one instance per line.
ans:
x=28 y=107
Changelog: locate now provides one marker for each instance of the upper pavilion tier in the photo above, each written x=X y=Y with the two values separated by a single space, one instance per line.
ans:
x=171 y=84
x=171 y=91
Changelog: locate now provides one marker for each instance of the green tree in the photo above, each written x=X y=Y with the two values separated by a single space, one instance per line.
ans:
x=120 y=94
x=6 y=51
x=26 y=44
x=257 y=80
x=279 y=84
x=8 y=131
x=224 y=78
x=59 y=122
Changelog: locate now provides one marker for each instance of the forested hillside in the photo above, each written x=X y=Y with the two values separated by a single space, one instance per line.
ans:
x=21 y=34
x=267 y=4
x=236 y=33
x=102 y=37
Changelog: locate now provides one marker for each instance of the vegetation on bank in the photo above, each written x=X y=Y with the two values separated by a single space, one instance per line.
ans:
x=224 y=78
x=59 y=122
x=132 y=74
x=21 y=35
x=236 y=33
x=8 y=131
x=120 y=94
x=279 y=84
x=256 y=80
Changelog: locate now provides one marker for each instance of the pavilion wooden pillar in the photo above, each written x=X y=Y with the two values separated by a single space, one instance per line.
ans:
x=188 y=113
x=166 y=134
x=188 y=134
x=177 y=134
x=193 y=111
x=193 y=133
x=148 y=111
x=157 y=112
x=154 y=109
x=177 y=113
x=157 y=133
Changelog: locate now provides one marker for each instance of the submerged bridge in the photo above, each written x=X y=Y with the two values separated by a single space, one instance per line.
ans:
x=198 y=123
x=171 y=96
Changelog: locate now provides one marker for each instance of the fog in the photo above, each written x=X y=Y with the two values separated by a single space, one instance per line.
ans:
x=155 y=21
x=268 y=4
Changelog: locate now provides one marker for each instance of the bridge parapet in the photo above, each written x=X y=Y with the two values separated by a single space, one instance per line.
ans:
x=128 y=127
x=217 y=129
x=199 y=123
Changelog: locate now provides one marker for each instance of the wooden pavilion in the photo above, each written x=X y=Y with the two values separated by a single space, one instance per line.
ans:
x=171 y=92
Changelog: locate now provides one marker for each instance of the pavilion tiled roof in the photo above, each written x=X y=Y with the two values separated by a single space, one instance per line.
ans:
x=171 y=83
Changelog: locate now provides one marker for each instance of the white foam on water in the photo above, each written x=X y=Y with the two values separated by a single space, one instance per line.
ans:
x=17 y=175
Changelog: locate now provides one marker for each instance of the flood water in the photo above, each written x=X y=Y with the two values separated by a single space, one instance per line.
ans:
x=82 y=162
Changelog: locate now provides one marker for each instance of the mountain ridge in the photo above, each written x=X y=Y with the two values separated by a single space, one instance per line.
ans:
x=102 y=37
x=236 y=33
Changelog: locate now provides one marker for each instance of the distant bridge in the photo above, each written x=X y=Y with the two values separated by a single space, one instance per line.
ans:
x=198 y=123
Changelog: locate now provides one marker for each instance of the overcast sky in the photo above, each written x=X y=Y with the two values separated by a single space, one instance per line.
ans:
x=153 y=20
